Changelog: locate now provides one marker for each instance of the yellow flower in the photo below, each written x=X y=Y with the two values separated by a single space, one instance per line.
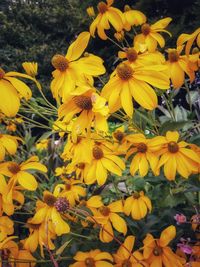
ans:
x=6 y=227
x=91 y=108
x=90 y=11
x=9 y=248
x=77 y=149
x=11 y=91
x=9 y=196
x=93 y=258
x=189 y=40
x=103 y=161
x=136 y=57
x=150 y=34
x=39 y=235
x=18 y=172
x=31 y=68
x=127 y=82
x=42 y=145
x=49 y=212
x=126 y=258
x=179 y=65
x=132 y=18
x=71 y=190
x=137 y=205
x=119 y=36
x=176 y=157
x=71 y=70
x=156 y=251
x=8 y=144
x=107 y=217
x=107 y=15
x=24 y=259
x=145 y=154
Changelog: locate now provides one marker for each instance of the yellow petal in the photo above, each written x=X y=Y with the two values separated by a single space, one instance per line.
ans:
x=126 y=99
x=167 y=235
x=111 y=166
x=177 y=75
x=128 y=205
x=27 y=180
x=143 y=94
x=118 y=223
x=21 y=87
x=161 y=24
x=10 y=104
x=61 y=227
x=170 y=168
x=77 y=48
x=34 y=166
x=172 y=136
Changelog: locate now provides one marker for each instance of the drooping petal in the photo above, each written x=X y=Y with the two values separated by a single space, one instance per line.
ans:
x=126 y=99
x=21 y=87
x=143 y=94
x=118 y=223
x=77 y=48
x=10 y=104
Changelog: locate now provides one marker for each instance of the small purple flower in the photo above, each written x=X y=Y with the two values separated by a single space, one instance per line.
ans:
x=185 y=248
x=180 y=218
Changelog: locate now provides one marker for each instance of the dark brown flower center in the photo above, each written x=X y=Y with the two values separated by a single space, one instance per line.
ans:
x=105 y=211
x=173 y=56
x=145 y=29
x=124 y=71
x=33 y=226
x=81 y=165
x=173 y=147
x=126 y=263
x=136 y=195
x=89 y=262
x=14 y=168
x=102 y=7
x=142 y=147
x=119 y=135
x=61 y=204
x=131 y=54
x=2 y=73
x=50 y=200
x=97 y=152
x=60 y=62
x=83 y=102
x=157 y=251
x=68 y=187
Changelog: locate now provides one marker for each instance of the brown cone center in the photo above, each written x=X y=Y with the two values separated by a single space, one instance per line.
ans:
x=126 y=263
x=50 y=200
x=131 y=54
x=2 y=73
x=124 y=71
x=173 y=147
x=142 y=147
x=119 y=135
x=136 y=195
x=97 y=152
x=102 y=7
x=60 y=62
x=105 y=211
x=173 y=56
x=14 y=168
x=83 y=102
x=157 y=251
x=89 y=262
x=145 y=29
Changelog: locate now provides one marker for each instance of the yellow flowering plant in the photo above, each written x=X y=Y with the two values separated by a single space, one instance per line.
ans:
x=106 y=171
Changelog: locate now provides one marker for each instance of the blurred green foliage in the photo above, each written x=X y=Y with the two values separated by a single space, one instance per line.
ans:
x=35 y=30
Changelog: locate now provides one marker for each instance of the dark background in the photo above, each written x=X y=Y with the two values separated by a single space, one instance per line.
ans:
x=33 y=30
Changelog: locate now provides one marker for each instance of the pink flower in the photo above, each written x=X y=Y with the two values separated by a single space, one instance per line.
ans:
x=180 y=218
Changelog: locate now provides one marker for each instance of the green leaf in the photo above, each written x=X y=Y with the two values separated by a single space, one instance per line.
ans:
x=172 y=126
x=60 y=250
